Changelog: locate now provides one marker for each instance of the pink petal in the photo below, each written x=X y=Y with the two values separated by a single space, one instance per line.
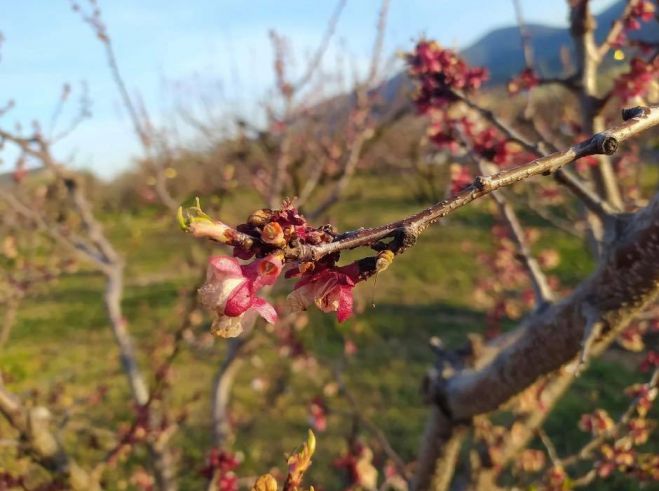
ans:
x=222 y=266
x=345 y=304
x=265 y=310
x=264 y=271
x=313 y=277
x=240 y=300
x=349 y=274
x=269 y=270
x=214 y=294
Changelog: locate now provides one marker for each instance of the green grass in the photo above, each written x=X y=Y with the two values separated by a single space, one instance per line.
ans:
x=62 y=337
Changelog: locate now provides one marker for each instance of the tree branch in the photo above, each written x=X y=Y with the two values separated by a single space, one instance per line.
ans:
x=587 y=450
x=582 y=29
x=541 y=289
x=605 y=142
x=587 y=196
x=97 y=248
x=543 y=293
x=222 y=385
x=617 y=28
x=626 y=282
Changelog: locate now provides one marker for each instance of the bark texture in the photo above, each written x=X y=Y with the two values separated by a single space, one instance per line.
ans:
x=626 y=281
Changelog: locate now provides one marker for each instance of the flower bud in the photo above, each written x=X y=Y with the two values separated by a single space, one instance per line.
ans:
x=260 y=217
x=273 y=234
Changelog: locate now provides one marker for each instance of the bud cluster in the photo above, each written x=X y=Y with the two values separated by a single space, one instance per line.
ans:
x=266 y=239
x=642 y=11
x=526 y=80
x=638 y=81
x=220 y=465
x=440 y=72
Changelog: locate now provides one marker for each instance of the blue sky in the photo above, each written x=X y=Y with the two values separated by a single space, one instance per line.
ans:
x=171 y=51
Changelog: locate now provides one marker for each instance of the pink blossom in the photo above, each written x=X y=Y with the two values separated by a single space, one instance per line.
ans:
x=638 y=81
x=527 y=79
x=318 y=414
x=230 y=291
x=439 y=71
x=460 y=178
x=642 y=11
x=329 y=289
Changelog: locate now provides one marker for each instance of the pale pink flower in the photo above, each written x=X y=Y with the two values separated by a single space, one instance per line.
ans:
x=230 y=291
x=329 y=289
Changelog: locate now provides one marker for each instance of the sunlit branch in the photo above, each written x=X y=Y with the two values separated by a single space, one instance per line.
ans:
x=605 y=143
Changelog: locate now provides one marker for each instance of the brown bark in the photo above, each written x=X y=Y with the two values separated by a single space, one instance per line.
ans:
x=626 y=281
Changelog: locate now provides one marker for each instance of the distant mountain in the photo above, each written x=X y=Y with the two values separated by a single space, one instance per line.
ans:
x=501 y=51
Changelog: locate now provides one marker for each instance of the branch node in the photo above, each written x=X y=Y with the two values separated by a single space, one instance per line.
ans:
x=483 y=183
x=608 y=145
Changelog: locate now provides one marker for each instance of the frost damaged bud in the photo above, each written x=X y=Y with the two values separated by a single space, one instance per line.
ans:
x=265 y=483
x=273 y=234
x=634 y=112
x=260 y=217
x=213 y=230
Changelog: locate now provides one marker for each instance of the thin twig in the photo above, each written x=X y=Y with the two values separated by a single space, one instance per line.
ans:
x=588 y=449
x=591 y=200
x=322 y=47
x=549 y=446
x=587 y=196
x=617 y=28
x=605 y=142
x=592 y=330
x=372 y=427
x=543 y=293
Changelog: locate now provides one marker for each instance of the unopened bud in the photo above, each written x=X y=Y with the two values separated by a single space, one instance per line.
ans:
x=385 y=258
x=260 y=217
x=273 y=234
x=311 y=443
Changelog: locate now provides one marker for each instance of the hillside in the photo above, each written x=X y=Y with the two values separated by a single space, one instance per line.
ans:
x=501 y=51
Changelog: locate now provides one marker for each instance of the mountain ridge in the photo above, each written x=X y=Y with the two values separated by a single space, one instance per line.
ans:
x=500 y=50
